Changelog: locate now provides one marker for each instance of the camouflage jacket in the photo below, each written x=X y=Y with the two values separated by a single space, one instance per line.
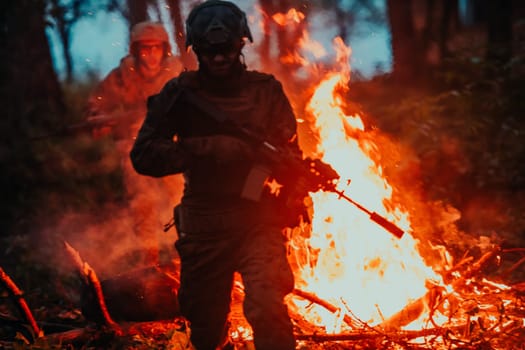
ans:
x=124 y=91
x=254 y=100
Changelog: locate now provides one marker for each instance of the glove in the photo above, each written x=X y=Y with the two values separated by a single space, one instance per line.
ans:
x=222 y=148
x=293 y=204
x=298 y=202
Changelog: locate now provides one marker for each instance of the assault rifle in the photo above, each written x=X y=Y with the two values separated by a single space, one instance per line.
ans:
x=91 y=123
x=88 y=125
x=310 y=174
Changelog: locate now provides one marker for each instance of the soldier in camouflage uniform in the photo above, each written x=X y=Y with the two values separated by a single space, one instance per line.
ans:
x=220 y=232
x=122 y=97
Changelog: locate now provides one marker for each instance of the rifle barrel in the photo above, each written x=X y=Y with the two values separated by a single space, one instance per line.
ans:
x=375 y=217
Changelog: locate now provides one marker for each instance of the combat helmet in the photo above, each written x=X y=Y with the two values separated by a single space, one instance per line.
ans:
x=149 y=31
x=216 y=22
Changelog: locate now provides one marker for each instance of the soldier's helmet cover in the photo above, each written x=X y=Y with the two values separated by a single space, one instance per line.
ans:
x=215 y=23
x=146 y=31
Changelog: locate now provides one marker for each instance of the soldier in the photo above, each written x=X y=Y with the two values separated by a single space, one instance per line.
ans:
x=220 y=231
x=121 y=98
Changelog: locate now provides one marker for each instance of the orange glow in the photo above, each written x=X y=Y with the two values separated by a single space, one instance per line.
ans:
x=343 y=257
x=349 y=260
x=291 y=16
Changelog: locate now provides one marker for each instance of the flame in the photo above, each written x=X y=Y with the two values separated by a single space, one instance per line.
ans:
x=309 y=47
x=349 y=260
x=291 y=16
x=369 y=276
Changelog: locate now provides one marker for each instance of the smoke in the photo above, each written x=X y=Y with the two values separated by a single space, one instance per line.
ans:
x=106 y=238
x=96 y=202
x=102 y=240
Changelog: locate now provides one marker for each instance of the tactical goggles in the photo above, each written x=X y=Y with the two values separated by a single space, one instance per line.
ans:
x=226 y=49
x=150 y=48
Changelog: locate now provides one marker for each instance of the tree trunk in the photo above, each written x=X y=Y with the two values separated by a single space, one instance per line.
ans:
x=407 y=57
x=499 y=30
x=341 y=19
x=449 y=23
x=188 y=60
x=268 y=9
x=31 y=99
x=478 y=11
x=138 y=11
x=32 y=90
x=429 y=33
x=58 y=11
x=287 y=36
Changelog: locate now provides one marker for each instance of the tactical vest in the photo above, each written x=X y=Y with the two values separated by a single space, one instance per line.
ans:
x=254 y=101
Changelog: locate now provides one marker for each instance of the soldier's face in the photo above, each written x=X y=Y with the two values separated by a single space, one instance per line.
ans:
x=150 y=54
x=219 y=61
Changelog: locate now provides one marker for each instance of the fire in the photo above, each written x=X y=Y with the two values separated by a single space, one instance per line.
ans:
x=349 y=260
x=308 y=45
x=291 y=16
x=360 y=275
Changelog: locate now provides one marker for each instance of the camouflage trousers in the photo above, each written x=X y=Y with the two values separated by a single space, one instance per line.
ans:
x=208 y=263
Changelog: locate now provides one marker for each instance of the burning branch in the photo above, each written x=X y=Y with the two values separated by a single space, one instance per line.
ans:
x=413 y=310
x=89 y=277
x=464 y=261
x=515 y=265
x=16 y=295
x=408 y=314
x=332 y=308
x=473 y=268
x=361 y=335
x=481 y=263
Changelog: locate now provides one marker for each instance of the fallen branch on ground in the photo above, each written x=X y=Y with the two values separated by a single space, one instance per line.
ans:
x=16 y=295
x=89 y=277
x=361 y=334
x=332 y=308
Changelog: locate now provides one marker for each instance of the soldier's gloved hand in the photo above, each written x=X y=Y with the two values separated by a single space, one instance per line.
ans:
x=222 y=148
x=298 y=202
